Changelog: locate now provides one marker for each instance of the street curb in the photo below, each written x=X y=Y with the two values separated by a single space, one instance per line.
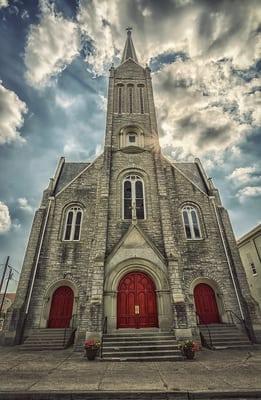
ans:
x=140 y=395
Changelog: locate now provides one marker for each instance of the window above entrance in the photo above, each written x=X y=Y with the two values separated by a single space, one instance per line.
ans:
x=133 y=198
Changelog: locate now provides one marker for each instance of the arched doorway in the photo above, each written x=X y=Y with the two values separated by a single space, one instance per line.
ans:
x=61 y=308
x=136 y=302
x=206 y=304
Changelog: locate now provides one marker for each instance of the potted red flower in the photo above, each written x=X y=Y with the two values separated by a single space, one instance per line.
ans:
x=92 y=347
x=188 y=349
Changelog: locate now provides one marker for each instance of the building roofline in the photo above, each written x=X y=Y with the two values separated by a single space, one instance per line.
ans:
x=249 y=234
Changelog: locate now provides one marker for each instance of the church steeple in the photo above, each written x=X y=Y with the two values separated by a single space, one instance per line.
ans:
x=129 y=50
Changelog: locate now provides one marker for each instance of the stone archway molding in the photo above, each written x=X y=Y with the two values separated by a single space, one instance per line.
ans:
x=159 y=276
x=47 y=299
x=217 y=290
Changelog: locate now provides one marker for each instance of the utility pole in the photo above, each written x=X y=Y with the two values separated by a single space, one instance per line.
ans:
x=6 y=287
x=5 y=268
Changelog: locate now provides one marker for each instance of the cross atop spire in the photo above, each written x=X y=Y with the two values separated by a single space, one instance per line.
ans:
x=129 y=50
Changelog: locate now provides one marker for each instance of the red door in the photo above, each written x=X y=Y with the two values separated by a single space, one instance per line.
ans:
x=61 y=308
x=206 y=305
x=136 y=302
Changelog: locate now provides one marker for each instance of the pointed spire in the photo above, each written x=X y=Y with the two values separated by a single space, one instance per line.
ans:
x=129 y=51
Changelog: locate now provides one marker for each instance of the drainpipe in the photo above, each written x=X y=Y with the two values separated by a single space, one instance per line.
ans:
x=227 y=257
x=37 y=258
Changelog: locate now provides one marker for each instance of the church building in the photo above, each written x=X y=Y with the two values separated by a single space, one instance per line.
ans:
x=131 y=243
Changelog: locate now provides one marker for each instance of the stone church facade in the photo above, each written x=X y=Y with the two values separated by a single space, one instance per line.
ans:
x=130 y=240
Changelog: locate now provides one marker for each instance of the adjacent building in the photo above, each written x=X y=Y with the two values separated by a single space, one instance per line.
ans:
x=249 y=246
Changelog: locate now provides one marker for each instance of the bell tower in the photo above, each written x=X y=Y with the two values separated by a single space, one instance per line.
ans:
x=131 y=118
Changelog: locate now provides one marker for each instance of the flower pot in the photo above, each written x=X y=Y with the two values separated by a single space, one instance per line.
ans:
x=189 y=354
x=91 y=354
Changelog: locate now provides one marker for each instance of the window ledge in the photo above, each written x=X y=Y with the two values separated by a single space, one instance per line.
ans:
x=70 y=241
x=194 y=240
x=132 y=149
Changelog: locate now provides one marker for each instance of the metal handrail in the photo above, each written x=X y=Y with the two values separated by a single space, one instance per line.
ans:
x=71 y=326
x=104 y=331
x=231 y=313
x=206 y=325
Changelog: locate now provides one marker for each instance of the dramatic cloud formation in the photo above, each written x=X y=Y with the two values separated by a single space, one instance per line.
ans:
x=24 y=205
x=51 y=45
x=11 y=115
x=3 y=3
x=249 y=191
x=243 y=175
x=5 y=220
x=99 y=21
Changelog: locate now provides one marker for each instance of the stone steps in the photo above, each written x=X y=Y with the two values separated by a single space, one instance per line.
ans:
x=48 y=339
x=151 y=346
x=225 y=336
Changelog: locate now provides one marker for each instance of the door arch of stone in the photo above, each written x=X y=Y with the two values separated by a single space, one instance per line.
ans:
x=156 y=272
x=136 y=301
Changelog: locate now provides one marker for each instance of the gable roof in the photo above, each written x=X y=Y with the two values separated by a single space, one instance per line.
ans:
x=191 y=171
x=134 y=228
x=69 y=171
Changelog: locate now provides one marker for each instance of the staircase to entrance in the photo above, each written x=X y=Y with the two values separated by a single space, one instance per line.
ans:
x=223 y=336
x=49 y=339
x=141 y=346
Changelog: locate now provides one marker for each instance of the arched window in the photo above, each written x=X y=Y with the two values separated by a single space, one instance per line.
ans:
x=191 y=222
x=120 y=97
x=130 y=92
x=73 y=220
x=131 y=136
x=133 y=198
x=141 y=96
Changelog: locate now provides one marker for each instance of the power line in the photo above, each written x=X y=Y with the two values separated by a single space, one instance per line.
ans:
x=14 y=269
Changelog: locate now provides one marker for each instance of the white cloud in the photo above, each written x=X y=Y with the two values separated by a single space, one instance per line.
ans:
x=243 y=175
x=204 y=107
x=249 y=192
x=64 y=101
x=5 y=220
x=11 y=115
x=24 y=205
x=99 y=20
x=3 y=3
x=51 y=45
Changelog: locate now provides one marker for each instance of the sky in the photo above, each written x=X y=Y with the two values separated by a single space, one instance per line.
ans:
x=54 y=62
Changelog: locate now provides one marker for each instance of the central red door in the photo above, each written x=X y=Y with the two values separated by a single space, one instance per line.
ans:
x=136 y=302
x=61 y=308
x=206 y=305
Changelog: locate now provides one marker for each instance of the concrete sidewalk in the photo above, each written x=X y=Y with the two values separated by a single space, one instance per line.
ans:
x=66 y=371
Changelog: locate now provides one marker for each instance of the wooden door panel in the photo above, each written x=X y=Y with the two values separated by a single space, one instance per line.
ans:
x=61 y=308
x=206 y=305
x=140 y=309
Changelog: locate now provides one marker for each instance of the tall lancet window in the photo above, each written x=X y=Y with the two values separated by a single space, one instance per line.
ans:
x=130 y=94
x=73 y=221
x=191 y=222
x=133 y=198
x=120 y=98
x=141 y=95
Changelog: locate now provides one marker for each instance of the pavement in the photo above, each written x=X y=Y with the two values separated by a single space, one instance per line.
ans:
x=64 y=371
